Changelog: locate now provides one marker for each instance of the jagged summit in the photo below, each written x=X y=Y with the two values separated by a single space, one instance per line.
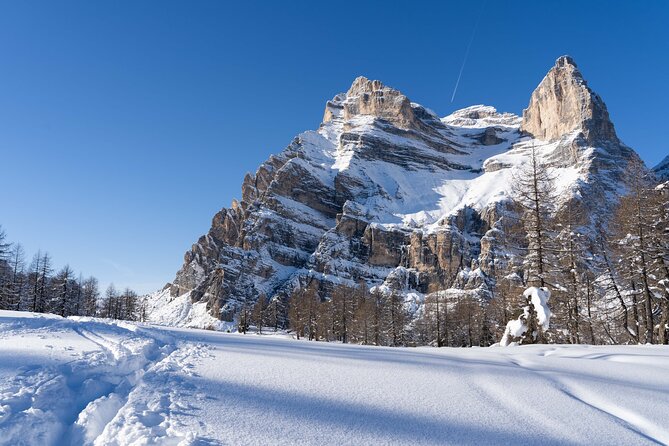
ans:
x=372 y=98
x=566 y=60
x=386 y=192
x=563 y=103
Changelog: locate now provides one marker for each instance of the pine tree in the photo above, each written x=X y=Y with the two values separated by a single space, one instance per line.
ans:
x=244 y=319
x=397 y=318
x=127 y=304
x=296 y=312
x=5 y=272
x=40 y=268
x=62 y=285
x=34 y=280
x=45 y=276
x=312 y=302
x=325 y=326
x=535 y=196
x=377 y=301
x=258 y=313
x=634 y=223
x=660 y=256
x=143 y=309
x=534 y=319
x=573 y=271
x=273 y=313
x=18 y=279
x=109 y=303
x=4 y=248
x=343 y=310
x=437 y=318
x=78 y=296
x=90 y=296
x=362 y=321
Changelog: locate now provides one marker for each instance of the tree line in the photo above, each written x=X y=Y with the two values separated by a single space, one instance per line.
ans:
x=352 y=314
x=605 y=266
x=607 y=272
x=37 y=287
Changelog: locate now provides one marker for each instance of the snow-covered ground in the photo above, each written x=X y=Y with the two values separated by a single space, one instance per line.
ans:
x=83 y=381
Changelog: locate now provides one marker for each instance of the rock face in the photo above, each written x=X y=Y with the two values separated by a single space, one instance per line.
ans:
x=372 y=98
x=387 y=193
x=563 y=103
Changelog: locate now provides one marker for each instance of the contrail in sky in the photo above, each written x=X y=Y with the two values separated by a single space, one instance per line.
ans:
x=462 y=68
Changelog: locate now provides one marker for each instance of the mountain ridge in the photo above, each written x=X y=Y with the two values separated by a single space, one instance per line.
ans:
x=387 y=193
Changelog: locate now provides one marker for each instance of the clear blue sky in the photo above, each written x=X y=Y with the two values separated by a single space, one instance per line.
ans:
x=125 y=125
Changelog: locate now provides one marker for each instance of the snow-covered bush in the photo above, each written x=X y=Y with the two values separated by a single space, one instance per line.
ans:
x=536 y=317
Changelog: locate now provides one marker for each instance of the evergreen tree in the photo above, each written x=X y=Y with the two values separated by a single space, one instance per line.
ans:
x=436 y=318
x=297 y=313
x=127 y=304
x=62 y=286
x=396 y=319
x=570 y=300
x=535 y=196
x=109 y=303
x=258 y=312
x=18 y=278
x=634 y=225
x=90 y=296
x=244 y=319
x=362 y=315
x=377 y=301
x=343 y=310
x=274 y=313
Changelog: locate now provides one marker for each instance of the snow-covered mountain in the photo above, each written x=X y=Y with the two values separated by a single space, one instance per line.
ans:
x=388 y=193
x=662 y=169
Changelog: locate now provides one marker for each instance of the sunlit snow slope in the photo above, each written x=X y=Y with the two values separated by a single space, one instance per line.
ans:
x=65 y=381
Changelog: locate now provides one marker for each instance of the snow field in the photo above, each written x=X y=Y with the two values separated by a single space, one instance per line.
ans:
x=68 y=381
x=84 y=381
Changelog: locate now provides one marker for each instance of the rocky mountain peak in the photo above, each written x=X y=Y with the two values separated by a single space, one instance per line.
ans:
x=566 y=60
x=563 y=103
x=372 y=98
x=387 y=193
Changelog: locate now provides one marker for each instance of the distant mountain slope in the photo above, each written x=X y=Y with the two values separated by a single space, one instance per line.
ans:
x=662 y=169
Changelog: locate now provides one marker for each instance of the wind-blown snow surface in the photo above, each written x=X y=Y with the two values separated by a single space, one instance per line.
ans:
x=82 y=381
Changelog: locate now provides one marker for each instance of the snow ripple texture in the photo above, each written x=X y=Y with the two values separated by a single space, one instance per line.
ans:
x=98 y=382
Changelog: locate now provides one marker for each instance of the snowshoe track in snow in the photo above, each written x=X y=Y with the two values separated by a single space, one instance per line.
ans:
x=93 y=399
x=96 y=382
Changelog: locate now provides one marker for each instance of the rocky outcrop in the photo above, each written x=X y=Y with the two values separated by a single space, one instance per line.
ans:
x=372 y=98
x=387 y=193
x=563 y=103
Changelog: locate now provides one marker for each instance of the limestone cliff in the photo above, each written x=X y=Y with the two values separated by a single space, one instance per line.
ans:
x=388 y=193
x=563 y=103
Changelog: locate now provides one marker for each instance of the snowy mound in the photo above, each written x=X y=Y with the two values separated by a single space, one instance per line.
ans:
x=180 y=312
x=478 y=116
